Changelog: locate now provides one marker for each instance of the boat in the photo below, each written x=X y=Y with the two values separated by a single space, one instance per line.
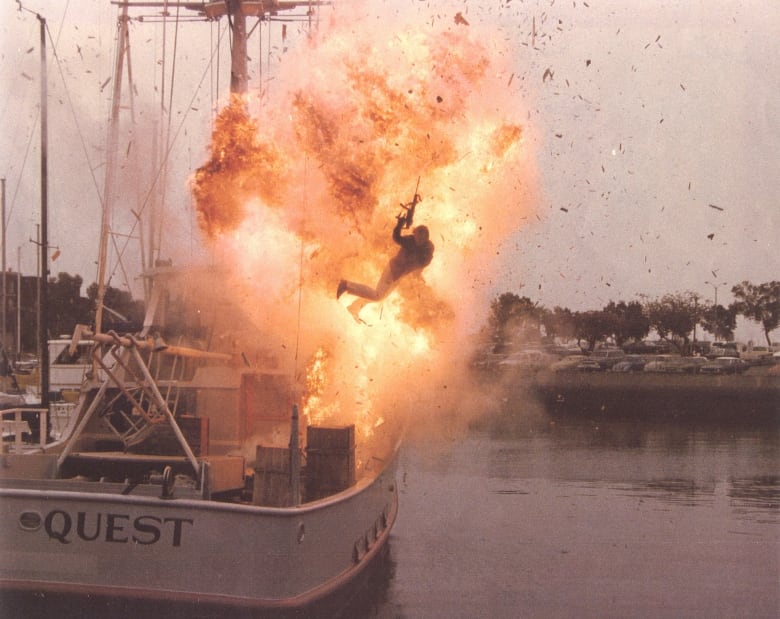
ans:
x=191 y=470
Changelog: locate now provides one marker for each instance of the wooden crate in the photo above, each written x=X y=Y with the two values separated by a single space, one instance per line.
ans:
x=330 y=460
x=272 y=477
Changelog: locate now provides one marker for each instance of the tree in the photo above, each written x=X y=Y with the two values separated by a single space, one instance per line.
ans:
x=512 y=315
x=629 y=321
x=124 y=314
x=593 y=326
x=719 y=321
x=559 y=322
x=66 y=306
x=673 y=317
x=760 y=303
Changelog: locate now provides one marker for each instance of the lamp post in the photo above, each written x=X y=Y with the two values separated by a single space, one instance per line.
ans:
x=715 y=286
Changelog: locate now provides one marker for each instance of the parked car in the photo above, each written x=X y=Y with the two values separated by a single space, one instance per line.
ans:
x=527 y=359
x=724 y=365
x=607 y=357
x=685 y=365
x=590 y=365
x=724 y=349
x=758 y=355
x=568 y=363
x=631 y=363
x=660 y=363
x=564 y=351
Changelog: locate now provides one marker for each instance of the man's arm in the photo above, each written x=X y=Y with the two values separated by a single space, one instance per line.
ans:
x=397 y=230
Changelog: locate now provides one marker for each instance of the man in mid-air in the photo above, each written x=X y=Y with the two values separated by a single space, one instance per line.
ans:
x=416 y=253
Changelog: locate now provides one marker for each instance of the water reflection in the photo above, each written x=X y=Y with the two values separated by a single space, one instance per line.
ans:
x=690 y=463
x=685 y=492
x=756 y=498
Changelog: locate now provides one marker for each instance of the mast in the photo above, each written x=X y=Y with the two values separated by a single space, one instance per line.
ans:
x=108 y=186
x=5 y=292
x=43 y=318
x=239 y=79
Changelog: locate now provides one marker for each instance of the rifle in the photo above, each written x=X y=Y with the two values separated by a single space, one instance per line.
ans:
x=408 y=215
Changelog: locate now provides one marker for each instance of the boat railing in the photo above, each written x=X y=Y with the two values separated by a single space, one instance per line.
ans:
x=15 y=425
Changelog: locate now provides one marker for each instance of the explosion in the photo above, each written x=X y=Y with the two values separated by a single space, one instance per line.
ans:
x=308 y=193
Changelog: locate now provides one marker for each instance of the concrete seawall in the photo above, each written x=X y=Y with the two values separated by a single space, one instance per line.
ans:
x=748 y=396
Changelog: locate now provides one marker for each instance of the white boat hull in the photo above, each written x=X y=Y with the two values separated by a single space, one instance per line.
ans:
x=191 y=550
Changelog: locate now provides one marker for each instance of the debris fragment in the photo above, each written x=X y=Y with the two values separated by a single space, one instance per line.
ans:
x=547 y=73
x=711 y=236
x=716 y=207
x=587 y=62
x=459 y=19
x=564 y=209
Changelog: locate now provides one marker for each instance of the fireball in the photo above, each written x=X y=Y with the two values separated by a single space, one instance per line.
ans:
x=307 y=194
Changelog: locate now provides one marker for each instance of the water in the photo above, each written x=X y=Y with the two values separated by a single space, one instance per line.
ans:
x=528 y=516
x=518 y=514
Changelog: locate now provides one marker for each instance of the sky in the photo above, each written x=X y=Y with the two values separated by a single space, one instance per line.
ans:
x=652 y=128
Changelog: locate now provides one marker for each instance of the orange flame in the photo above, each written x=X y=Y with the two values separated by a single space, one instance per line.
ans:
x=307 y=194
x=240 y=168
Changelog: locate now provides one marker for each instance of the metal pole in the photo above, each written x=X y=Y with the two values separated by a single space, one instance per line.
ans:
x=44 y=274
x=295 y=459
x=5 y=290
x=238 y=67
x=18 y=303
x=108 y=184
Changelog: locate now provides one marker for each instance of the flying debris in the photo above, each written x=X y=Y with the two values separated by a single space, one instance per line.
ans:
x=716 y=207
x=547 y=73
x=711 y=236
x=460 y=20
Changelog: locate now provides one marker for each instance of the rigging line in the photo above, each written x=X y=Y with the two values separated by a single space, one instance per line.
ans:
x=168 y=131
x=79 y=132
x=119 y=265
x=268 y=60
x=162 y=64
x=72 y=108
x=168 y=152
x=19 y=178
x=75 y=118
x=259 y=66
x=300 y=270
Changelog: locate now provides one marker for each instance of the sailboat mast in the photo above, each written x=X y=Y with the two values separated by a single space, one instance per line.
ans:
x=108 y=186
x=43 y=312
